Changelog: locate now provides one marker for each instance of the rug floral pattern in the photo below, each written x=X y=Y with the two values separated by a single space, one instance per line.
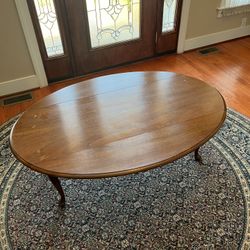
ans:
x=183 y=205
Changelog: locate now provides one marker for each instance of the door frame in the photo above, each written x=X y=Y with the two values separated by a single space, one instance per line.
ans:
x=32 y=44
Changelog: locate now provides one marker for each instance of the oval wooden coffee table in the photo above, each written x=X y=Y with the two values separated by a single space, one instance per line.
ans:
x=117 y=125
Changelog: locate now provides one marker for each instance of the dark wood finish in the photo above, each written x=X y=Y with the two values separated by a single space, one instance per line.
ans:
x=218 y=69
x=89 y=59
x=117 y=124
x=58 y=67
x=167 y=41
x=197 y=156
x=56 y=183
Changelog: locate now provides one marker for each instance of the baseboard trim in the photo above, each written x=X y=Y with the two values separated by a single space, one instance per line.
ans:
x=18 y=85
x=218 y=37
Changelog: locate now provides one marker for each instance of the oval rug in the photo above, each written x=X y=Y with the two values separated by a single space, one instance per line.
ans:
x=184 y=205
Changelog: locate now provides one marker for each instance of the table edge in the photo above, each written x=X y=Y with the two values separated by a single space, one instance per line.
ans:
x=123 y=172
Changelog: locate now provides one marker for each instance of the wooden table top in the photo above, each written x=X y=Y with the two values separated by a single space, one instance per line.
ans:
x=117 y=124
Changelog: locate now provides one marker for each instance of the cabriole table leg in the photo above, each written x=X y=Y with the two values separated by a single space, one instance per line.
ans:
x=55 y=181
x=197 y=156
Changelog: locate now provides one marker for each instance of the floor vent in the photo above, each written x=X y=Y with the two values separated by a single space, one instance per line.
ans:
x=207 y=51
x=16 y=99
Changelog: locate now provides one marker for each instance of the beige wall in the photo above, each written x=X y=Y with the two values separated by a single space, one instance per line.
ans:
x=15 y=61
x=203 y=19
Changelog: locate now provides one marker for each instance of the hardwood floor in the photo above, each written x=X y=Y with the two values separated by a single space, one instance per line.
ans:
x=227 y=70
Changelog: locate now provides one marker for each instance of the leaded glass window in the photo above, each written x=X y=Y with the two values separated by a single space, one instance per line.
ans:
x=48 y=22
x=169 y=13
x=113 y=21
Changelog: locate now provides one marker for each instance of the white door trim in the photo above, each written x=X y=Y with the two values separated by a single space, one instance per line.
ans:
x=29 y=33
x=183 y=26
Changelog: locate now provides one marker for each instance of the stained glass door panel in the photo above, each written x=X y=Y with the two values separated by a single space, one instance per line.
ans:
x=48 y=22
x=113 y=21
x=169 y=13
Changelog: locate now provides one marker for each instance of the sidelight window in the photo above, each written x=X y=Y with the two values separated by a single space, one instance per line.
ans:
x=169 y=13
x=48 y=22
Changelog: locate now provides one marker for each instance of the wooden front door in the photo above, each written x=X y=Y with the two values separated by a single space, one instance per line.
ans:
x=111 y=32
x=77 y=37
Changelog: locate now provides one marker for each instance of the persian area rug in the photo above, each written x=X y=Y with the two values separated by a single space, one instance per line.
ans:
x=183 y=205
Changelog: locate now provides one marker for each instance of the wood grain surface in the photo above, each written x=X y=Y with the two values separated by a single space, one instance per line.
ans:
x=117 y=124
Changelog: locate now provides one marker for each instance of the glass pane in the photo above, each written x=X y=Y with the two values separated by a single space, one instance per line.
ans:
x=113 y=21
x=169 y=10
x=46 y=14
